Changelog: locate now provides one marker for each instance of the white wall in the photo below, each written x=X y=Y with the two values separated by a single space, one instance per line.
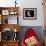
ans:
x=32 y=4
x=26 y=4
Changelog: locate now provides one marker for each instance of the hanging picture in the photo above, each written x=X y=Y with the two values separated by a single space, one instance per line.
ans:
x=30 y=13
x=5 y=12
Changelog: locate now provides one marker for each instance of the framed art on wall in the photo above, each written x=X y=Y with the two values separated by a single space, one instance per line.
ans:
x=5 y=12
x=30 y=13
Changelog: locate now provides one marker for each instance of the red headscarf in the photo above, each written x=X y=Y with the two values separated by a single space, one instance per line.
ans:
x=29 y=33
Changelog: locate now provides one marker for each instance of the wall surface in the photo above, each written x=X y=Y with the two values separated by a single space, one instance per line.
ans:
x=31 y=4
x=26 y=4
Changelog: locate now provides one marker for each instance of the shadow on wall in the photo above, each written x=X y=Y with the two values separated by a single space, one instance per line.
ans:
x=37 y=29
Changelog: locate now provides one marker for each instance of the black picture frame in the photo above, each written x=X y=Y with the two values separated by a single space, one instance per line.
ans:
x=30 y=13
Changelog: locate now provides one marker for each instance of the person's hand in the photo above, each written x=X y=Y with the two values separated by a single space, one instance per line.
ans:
x=31 y=41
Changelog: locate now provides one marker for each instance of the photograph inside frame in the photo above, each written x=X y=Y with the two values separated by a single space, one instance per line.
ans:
x=30 y=13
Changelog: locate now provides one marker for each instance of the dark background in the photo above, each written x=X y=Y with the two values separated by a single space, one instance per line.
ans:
x=31 y=13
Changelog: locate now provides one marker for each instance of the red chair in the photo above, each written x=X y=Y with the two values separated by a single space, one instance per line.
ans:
x=29 y=33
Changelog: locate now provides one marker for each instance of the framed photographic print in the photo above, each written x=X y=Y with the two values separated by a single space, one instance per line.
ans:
x=5 y=12
x=30 y=13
